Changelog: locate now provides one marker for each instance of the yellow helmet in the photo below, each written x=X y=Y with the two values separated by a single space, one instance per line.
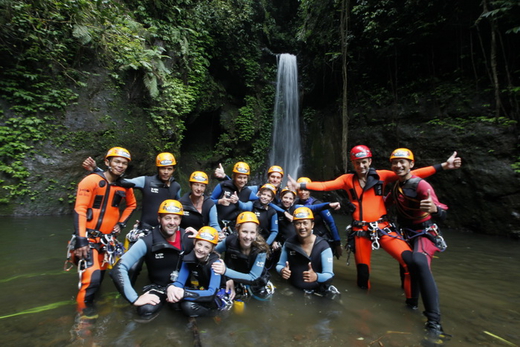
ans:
x=165 y=159
x=303 y=180
x=246 y=217
x=199 y=177
x=268 y=186
x=171 y=207
x=287 y=190
x=118 y=152
x=275 y=168
x=302 y=213
x=241 y=168
x=207 y=233
x=402 y=153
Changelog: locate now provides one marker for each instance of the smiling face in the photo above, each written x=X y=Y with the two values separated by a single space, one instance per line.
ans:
x=117 y=165
x=402 y=168
x=361 y=166
x=165 y=172
x=240 y=180
x=304 y=227
x=247 y=233
x=265 y=196
x=197 y=189
x=304 y=194
x=288 y=200
x=203 y=249
x=275 y=178
x=169 y=224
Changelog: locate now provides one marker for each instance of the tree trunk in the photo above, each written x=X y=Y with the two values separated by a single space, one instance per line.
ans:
x=345 y=16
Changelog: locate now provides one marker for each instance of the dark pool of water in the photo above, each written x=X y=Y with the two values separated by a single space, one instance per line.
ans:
x=478 y=279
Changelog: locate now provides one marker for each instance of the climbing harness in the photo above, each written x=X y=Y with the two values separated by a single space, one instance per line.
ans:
x=373 y=228
x=432 y=232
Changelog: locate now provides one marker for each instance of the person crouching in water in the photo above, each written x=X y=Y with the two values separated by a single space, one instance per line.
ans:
x=306 y=259
x=245 y=255
x=162 y=251
x=197 y=284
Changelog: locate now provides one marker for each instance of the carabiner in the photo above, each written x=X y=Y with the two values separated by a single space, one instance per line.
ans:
x=82 y=266
x=375 y=243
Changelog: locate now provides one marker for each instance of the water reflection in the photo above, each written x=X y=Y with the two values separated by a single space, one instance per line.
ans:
x=477 y=277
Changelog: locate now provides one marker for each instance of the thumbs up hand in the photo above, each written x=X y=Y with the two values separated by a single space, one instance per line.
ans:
x=453 y=162
x=291 y=183
x=427 y=205
x=286 y=272
x=234 y=198
x=310 y=275
x=219 y=172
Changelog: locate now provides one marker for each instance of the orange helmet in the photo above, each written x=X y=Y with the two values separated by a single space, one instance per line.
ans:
x=246 y=217
x=302 y=213
x=269 y=187
x=118 y=152
x=275 y=168
x=402 y=153
x=303 y=180
x=207 y=233
x=360 y=152
x=165 y=159
x=287 y=190
x=241 y=168
x=171 y=207
x=199 y=177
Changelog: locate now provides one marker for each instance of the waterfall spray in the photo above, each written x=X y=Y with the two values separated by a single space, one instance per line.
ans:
x=286 y=142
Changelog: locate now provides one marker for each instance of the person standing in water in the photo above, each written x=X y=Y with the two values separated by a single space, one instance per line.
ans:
x=370 y=224
x=416 y=205
x=98 y=219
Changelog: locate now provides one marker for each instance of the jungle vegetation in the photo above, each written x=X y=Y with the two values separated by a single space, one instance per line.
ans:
x=178 y=64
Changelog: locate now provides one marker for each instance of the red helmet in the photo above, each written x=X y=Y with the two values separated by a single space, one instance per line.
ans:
x=360 y=152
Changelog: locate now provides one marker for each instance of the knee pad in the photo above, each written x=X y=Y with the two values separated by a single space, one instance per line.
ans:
x=193 y=309
x=148 y=312
x=363 y=276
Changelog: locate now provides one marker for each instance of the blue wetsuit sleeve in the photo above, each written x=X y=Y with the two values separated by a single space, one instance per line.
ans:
x=138 y=182
x=254 y=273
x=327 y=217
x=254 y=191
x=318 y=207
x=326 y=261
x=216 y=193
x=120 y=272
x=276 y=207
x=184 y=273
x=221 y=247
x=213 y=218
x=245 y=206
x=205 y=295
x=282 y=260
x=178 y=196
x=274 y=229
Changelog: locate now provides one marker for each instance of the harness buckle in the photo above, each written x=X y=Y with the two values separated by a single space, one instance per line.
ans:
x=373 y=227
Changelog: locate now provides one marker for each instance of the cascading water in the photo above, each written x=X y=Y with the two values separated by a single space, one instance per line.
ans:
x=286 y=142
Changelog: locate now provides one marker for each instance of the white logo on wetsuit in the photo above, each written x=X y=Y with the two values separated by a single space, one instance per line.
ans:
x=159 y=255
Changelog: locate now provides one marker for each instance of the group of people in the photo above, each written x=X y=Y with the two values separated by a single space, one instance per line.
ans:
x=203 y=251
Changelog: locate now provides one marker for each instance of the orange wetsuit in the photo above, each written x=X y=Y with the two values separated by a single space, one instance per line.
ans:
x=370 y=207
x=97 y=211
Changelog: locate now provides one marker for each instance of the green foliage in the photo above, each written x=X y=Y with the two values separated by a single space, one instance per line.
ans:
x=516 y=166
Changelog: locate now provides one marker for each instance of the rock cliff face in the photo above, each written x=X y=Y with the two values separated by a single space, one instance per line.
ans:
x=483 y=196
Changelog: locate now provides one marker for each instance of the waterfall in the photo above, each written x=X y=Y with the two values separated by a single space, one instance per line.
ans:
x=286 y=142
